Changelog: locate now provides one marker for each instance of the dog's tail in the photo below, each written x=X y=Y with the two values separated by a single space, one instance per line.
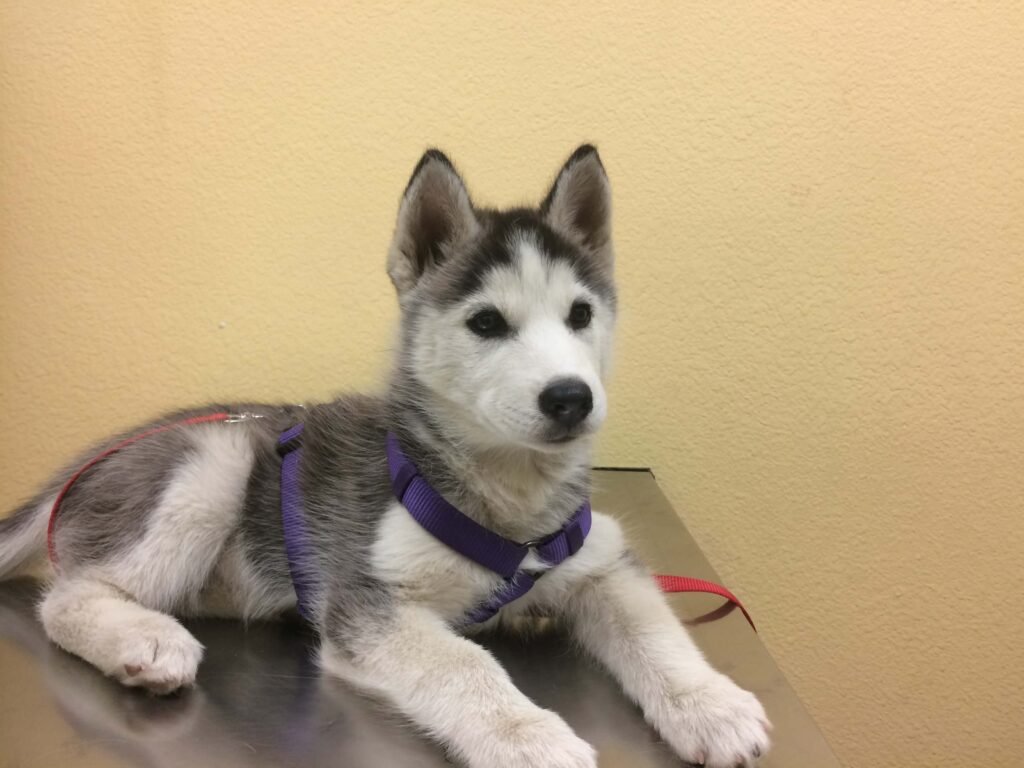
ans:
x=23 y=535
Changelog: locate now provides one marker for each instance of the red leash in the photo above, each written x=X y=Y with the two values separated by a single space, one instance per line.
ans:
x=667 y=583
x=51 y=547
x=671 y=584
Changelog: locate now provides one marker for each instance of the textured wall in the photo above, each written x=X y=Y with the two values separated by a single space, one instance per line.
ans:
x=820 y=218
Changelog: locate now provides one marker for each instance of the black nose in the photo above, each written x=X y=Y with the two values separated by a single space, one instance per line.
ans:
x=567 y=401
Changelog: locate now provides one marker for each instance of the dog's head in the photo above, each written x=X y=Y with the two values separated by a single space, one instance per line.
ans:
x=507 y=316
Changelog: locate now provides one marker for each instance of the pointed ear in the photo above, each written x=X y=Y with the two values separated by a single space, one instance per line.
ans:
x=435 y=214
x=579 y=204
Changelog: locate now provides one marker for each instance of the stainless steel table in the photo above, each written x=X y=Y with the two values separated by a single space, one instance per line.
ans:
x=260 y=702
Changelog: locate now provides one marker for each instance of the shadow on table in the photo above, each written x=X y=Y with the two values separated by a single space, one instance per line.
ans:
x=260 y=701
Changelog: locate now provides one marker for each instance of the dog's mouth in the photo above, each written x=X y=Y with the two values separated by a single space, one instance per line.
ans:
x=564 y=437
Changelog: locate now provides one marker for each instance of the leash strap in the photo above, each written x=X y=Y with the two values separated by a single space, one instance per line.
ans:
x=672 y=584
x=296 y=538
x=51 y=526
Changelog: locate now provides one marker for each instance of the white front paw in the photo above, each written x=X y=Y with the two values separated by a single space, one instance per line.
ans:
x=717 y=724
x=536 y=739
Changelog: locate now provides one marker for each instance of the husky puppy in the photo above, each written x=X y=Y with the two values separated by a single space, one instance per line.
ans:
x=496 y=393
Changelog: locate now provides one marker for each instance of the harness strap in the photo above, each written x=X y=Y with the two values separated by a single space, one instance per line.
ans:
x=477 y=543
x=451 y=527
x=512 y=589
x=296 y=538
x=467 y=537
x=553 y=549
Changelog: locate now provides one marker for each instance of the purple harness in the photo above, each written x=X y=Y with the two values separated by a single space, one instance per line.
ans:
x=439 y=518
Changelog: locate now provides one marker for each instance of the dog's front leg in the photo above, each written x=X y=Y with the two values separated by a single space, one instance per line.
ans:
x=623 y=620
x=456 y=691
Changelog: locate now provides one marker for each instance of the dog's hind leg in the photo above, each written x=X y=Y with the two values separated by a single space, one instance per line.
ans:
x=114 y=612
x=117 y=635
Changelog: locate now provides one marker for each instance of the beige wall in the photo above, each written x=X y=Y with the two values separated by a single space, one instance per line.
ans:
x=820 y=219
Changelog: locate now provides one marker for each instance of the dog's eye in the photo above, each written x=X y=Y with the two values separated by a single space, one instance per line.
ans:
x=488 y=324
x=580 y=315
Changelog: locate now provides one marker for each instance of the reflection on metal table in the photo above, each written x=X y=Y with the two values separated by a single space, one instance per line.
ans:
x=260 y=701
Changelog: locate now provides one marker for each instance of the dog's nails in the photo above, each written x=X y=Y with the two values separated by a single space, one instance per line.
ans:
x=757 y=751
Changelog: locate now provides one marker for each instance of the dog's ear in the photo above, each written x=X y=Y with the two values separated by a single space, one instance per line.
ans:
x=579 y=204
x=435 y=214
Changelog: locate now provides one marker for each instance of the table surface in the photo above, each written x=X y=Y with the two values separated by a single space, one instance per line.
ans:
x=259 y=700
